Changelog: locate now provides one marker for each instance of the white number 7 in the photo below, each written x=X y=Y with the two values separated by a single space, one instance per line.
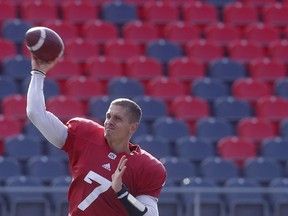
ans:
x=104 y=186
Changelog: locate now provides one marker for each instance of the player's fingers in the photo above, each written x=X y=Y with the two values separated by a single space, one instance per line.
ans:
x=122 y=163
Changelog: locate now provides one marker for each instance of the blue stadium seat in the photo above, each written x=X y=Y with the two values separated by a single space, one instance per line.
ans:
x=29 y=130
x=59 y=199
x=218 y=169
x=152 y=108
x=53 y=151
x=209 y=89
x=17 y=67
x=281 y=88
x=22 y=147
x=279 y=201
x=125 y=87
x=45 y=168
x=9 y=166
x=231 y=109
x=163 y=50
x=262 y=169
x=7 y=87
x=283 y=128
x=98 y=107
x=211 y=204
x=226 y=70
x=219 y=3
x=275 y=148
x=157 y=146
x=213 y=129
x=170 y=128
x=27 y=203
x=142 y=130
x=244 y=204
x=178 y=169
x=119 y=12
x=194 y=149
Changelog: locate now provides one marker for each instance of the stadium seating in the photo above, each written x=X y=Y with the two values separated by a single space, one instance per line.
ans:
x=8 y=49
x=279 y=201
x=281 y=88
x=9 y=166
x=98 y=106
x=278 y=50
x=274 y=148
x=17 y=67
x=14 y=107
x=275 y=14
x=8 y=86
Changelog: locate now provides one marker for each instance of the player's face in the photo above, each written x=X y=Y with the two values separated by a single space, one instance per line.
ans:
x=117 y=125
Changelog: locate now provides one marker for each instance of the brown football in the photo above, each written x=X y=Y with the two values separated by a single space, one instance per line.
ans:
x=44 y=43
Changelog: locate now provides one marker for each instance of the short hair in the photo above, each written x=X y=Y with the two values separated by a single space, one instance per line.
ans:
x=133 y=108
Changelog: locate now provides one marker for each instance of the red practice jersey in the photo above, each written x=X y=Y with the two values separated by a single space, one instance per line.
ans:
x=92 y=164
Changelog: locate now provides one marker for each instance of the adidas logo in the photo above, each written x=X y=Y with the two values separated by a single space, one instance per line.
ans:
x=107 y=166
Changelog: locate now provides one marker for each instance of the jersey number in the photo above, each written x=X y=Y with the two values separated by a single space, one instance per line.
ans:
x=104 y=186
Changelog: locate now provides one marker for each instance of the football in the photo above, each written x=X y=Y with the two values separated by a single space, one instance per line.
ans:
x=44 y=43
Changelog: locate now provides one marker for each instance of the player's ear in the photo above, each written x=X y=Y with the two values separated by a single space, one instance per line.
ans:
x=134 y=127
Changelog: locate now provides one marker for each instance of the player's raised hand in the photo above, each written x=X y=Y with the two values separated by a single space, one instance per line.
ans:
x=42 y=65
x=117 y=176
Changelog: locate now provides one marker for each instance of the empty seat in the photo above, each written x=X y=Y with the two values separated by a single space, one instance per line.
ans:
x=267 y=70
x=278 y=50
x=237 y=149
x=28 y=202
x=181 y=32
x=14 y=106
x=262 y=169
x=221 y=33
x=255 y=129
x=8 y=11
x=45 y=168
x=275 y=148
x=279 y=201
x=240 y=14
x=169 y=128
x=9 y=166
x=8 y=86
x=8 y=127
x=259 y=3
x=200 y=13
x=218 y=169
x=121 y=49
x=246 y=203
x=281 y=87
x=98 y=106
x=152 y=108
x=220 y=3
x=65 y=29
x=118 y=12
x=209 y=89
x=125 y=87
x=245 y=51
x=193 y=149
x=65 y=107
x=17 y=67
x=226 y=70
x=213 y=129
x=8 y=49
x=29 y=130
x=272 y=108
x=261 y=33
x=157 y=146
x=140 y=31
x=275 y=14
x=163 y=50
x=178 y=169
x=80 y=50
x=231 y=109
x=99 y=31
x=211 y=204
x=204 y=50
x=250 y=89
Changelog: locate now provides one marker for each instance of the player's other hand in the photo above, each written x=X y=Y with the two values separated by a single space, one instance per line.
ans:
x=42 y=65
x=117 y=176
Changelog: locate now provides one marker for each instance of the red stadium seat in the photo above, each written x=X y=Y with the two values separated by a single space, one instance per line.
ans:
x=261 y=33
x=143 y=68
x=240 y=14
x=80 y=50
x=276 y=14
x=99 y=31
x=237 y=149
x=121 y=49
x=181 y=32
x=38 y=12
x=8 y=49
x=267 y=70
x=204 y=50
x=245 y=51
x=278 y=50
x=66 y=30
x=14 y=107
x=8 y=11
x=140 y=32
x=200 y=13
x=221 y=33
x=65 y=107
x=250 y=89
x=255 y=129
x=8 y=127
x=274 y=108
x=258 y=3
